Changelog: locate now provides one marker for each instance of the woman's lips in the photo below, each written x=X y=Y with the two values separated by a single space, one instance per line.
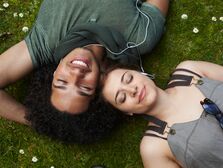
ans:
x=142 y=94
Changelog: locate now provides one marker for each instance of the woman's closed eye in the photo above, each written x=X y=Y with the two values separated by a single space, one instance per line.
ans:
x=121 y=98
x=128 y=77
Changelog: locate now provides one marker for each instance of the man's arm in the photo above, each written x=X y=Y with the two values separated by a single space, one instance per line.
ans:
x=162 y=5
x=15 y=63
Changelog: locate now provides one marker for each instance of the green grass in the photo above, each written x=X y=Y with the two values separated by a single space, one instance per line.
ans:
x=120 y=150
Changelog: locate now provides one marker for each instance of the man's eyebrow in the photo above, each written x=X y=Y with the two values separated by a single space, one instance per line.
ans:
x=122 y=78
x=83 y=94
x=58 y=87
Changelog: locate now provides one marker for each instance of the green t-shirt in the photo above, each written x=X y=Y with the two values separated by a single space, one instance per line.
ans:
x=56 y=17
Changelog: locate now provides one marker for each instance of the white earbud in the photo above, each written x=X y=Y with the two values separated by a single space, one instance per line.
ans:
x=151 y=76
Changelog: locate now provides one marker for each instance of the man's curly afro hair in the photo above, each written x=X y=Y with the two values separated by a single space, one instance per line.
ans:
x=88 y=127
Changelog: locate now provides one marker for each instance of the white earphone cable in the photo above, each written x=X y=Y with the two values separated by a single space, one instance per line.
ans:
x=133 y=44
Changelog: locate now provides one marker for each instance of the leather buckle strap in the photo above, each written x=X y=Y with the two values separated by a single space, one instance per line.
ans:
x=182 y=80
x=159 y=126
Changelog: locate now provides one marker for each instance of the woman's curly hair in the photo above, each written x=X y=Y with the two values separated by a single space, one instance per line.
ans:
x=88 y=127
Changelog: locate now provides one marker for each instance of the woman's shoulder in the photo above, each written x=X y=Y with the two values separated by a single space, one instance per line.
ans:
x=153 y=146
x=189 y=67
x=155 y=152
x=188 y=64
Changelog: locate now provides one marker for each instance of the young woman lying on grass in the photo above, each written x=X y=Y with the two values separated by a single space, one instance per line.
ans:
x=185 y=120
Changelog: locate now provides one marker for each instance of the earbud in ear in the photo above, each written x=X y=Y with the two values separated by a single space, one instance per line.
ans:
x=151 y=76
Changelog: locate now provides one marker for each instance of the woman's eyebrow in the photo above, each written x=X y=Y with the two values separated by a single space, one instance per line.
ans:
x=122 y=78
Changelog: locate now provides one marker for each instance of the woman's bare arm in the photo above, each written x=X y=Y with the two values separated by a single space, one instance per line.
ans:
x=205 y=69
x=155 y=153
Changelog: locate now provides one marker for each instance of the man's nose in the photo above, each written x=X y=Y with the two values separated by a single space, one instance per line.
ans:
x=77 y=73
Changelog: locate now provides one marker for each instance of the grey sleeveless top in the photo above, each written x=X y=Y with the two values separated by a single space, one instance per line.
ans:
x=199 y=143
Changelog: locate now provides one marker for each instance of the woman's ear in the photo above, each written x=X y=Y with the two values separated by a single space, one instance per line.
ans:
x=130 y=114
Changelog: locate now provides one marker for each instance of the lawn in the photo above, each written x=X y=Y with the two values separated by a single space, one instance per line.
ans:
x=20 y=146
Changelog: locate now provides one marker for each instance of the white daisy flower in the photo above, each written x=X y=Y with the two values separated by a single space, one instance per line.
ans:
x=52 y=167
x=25 y=29
x=221 y=18
x=21 y=15
x=214 y=19
x=34 y=159
x=195 y=30
x=6 y=5
x=1 y=9
x=21 y=151
x=15 y=14
x=184 y=16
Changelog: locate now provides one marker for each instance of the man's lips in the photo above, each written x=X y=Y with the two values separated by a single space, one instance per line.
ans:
x=80 y=62
x=83 y=64
x=142 y=94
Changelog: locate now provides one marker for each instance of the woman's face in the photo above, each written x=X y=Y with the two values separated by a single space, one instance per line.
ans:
x=129 y=91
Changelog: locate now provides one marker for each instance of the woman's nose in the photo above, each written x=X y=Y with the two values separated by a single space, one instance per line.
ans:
x=132 y=90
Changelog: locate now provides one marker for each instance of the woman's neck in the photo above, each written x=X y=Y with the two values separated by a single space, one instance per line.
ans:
x=163 y=106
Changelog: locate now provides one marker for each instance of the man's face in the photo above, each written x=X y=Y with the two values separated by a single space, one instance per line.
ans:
x=76 y=79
